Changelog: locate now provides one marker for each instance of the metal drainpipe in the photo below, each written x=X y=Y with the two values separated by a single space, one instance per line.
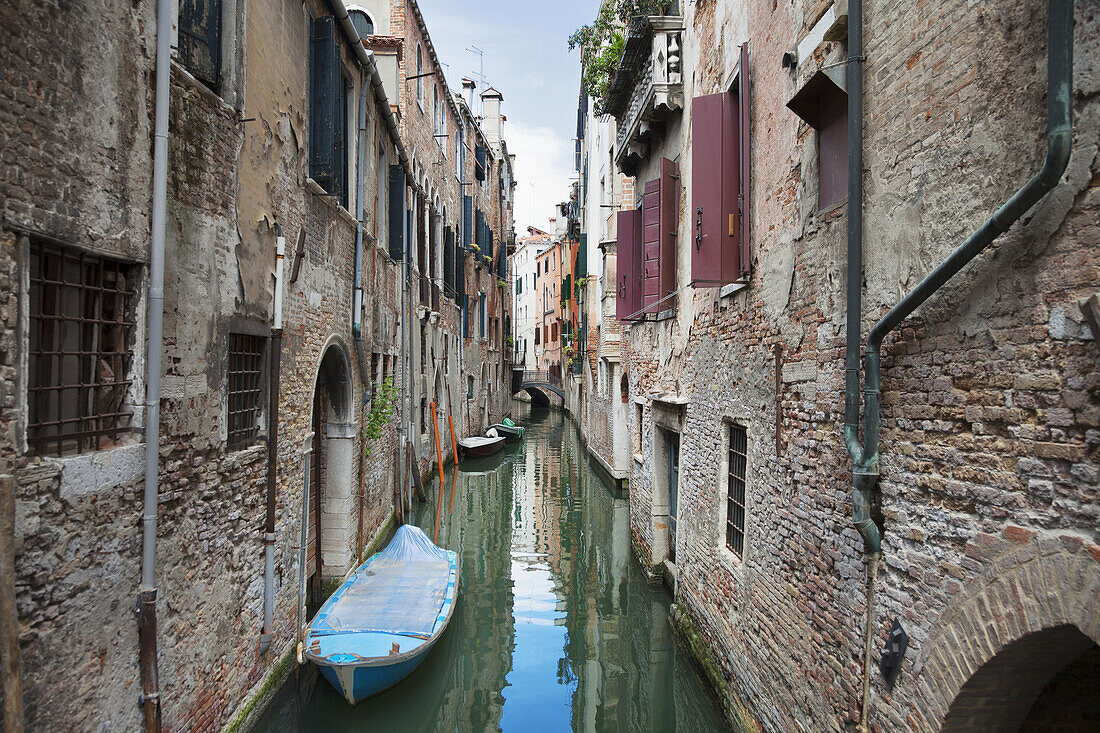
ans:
x=275 y=363
x=865 y=456
x=147 y=597
x=357 y=305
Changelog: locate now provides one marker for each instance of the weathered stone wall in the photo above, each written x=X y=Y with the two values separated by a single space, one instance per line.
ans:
x=990 y=408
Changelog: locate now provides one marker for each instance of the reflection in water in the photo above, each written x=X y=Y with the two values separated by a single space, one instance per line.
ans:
x=555 y=628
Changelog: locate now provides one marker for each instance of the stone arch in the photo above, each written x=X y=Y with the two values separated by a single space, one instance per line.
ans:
x=1035 y=608
x=331 y=467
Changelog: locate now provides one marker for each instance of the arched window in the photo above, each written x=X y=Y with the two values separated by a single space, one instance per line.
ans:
x=419 y=71
x=362 y=22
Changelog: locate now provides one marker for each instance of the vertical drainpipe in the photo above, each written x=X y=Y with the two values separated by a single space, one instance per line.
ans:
x=357 y=301
x=865 y=455
x=147 y=597
x=275 y=364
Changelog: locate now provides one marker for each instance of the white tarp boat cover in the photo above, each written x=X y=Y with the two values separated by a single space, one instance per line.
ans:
x=398 y=591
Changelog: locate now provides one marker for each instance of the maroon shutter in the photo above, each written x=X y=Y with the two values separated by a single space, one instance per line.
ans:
x=715 y=184
x=744 y=199
x=626 y=259
x=651 y=243
x=670 y=222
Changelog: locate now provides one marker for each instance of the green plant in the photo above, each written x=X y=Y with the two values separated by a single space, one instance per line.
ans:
x=501 y=283
x=381 y=411
x=510 y=341
x=582 y=281
x=474 y=248
x=602 y=42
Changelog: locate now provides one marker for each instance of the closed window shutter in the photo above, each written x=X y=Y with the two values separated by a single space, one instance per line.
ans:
x=479 y=161
x=715 y=185
x=627 y=259
x=745 y=96
x=324 y=97
x=397 y=212
x=200 y=39
x=489 y=241
x=448 y=262
x=467 y=220
x=651 y=243
x=581 y=265
x=670 y=222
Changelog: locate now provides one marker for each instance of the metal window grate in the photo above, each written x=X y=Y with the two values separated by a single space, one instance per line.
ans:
x=81 y=333
x=735 y=490
x=245 y=387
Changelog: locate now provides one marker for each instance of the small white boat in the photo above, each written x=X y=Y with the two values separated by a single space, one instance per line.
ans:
x=481 y=445
x=381 y=623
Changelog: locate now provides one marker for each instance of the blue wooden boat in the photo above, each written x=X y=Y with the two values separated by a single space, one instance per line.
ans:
x=381 y=623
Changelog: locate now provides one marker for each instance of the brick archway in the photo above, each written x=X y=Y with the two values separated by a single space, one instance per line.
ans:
x=1044 y=594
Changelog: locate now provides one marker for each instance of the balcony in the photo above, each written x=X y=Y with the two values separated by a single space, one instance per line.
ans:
x=647 y=88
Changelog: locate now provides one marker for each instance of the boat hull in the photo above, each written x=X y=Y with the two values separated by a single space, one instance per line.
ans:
x=508 y=432
x=485 y=449
x=357 y=682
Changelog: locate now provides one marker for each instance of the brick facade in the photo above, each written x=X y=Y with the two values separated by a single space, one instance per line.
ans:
x=990 y=413
x=77 y=113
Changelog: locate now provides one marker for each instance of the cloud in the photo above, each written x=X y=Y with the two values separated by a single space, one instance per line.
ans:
x=544 y=164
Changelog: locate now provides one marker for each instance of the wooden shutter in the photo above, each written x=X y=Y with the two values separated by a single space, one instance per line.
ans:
x=448 y=262
x=324 y=96
x=200 y=39
x=479 y=231
x=715 y=186
x=670 y=223
x=489 y=240
x=745 y=170
x=467 y=220
x=397 y=212
x=479 y=162
x=627 y=260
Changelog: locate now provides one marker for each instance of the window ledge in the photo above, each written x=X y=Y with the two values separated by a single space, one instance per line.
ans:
x=728 y=290
x=90 y=473
x=638 y=458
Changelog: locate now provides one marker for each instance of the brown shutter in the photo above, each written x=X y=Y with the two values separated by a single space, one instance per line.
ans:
x=715 y=186
x=651 y=243
x=670 y=222
x=744 y=200
x=627 y=255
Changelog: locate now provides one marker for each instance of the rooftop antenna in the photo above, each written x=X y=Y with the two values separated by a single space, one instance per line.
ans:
x=480 y=75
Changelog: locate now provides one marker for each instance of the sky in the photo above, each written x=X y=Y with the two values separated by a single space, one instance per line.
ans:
x=527 y=59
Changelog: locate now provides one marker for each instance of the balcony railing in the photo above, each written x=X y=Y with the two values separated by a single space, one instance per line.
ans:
x=648 y=87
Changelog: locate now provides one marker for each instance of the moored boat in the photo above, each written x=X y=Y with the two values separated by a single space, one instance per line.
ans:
x=381 y=623
x=481 y=445
x=508 y=432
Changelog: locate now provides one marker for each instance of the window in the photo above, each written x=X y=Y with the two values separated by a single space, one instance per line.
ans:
x=637 y=437
x=364 y=26
x=537 y=341
x=469 y=387
x=80 y=341
x=720 y=179
x=735 y=489
x=459 y=158
x=244 y=395
x=824 y=106
x=482 y=315
x=200 y=39
x=419 y=72
x=328 y=111
x=435 y=110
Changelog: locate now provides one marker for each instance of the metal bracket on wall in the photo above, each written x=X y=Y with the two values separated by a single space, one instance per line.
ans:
x=299 y=254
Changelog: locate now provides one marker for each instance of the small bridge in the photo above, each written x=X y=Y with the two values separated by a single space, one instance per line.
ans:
x=542 y=380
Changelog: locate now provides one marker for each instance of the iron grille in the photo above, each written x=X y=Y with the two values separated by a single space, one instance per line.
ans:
x=81 y=333
x=245 y=394
x=735 y=496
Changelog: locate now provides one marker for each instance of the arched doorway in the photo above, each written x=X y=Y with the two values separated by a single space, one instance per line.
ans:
x=1045 y=681
x=1019 y=646
x=329 y=539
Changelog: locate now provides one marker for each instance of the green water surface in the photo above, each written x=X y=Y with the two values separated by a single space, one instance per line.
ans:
x=555 y=627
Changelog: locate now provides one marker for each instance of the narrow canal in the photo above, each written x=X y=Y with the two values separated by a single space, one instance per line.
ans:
x=555 y=628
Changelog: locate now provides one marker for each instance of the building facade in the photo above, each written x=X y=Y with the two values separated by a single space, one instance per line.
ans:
x=298 y=180
x=946 y=576
x=525 y=314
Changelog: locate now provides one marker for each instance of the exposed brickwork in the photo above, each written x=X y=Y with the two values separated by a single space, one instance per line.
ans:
x=989 y=402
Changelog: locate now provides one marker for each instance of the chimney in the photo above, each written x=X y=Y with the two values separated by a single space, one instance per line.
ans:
x=468 y=92
x=493 y=123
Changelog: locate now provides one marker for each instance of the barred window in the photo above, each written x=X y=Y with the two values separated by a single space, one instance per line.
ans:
x=735 y=490
x=80 y=350
x=245 y=393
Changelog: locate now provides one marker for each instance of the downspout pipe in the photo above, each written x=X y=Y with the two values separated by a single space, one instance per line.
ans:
x=274 y=365
x=147 y=596
x=1059 y=144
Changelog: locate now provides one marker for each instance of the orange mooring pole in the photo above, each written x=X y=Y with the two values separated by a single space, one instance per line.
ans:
x=438 y=448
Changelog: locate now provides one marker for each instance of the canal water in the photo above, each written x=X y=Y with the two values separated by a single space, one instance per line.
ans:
x=555 y=627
